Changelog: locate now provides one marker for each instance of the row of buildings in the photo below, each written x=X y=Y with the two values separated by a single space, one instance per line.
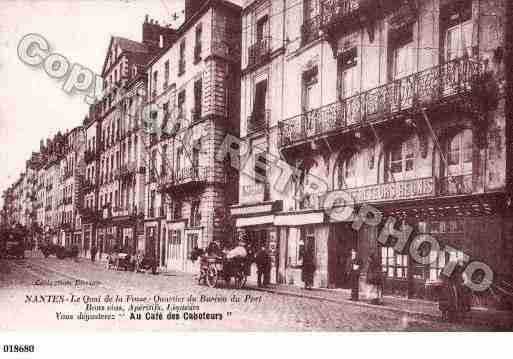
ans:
x=406 y=105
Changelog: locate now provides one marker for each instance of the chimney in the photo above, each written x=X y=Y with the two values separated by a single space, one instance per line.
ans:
x=192 y=6
x=154 y=35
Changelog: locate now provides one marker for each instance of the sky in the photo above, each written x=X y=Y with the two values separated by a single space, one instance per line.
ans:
x=33 y=105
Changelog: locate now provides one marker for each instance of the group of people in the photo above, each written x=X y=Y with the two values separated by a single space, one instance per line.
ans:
x=352 y=271
x=261 y=258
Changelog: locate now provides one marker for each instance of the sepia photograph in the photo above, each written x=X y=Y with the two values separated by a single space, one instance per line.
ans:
x=255 y=166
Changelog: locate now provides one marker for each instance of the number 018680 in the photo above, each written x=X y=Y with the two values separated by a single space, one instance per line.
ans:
x=18 y=348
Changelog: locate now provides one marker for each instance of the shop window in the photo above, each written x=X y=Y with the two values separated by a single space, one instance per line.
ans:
x=394 y=264
x=401 y=159
x=296 y=247
x=192 y=243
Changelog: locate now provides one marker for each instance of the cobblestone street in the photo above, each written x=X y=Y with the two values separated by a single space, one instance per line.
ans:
x=267 y=311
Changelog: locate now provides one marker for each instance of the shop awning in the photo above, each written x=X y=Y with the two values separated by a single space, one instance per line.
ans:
x=254 y=221
x=299 y=219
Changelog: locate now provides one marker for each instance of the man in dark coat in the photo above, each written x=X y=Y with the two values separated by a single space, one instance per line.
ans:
x=93 y=253
x=263 y=262
x=353 y=269
x=308 y=269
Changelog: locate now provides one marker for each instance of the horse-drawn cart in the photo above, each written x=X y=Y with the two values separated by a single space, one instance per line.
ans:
x=212 y=269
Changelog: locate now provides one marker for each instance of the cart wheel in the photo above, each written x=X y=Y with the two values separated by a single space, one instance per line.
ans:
x=211 y=278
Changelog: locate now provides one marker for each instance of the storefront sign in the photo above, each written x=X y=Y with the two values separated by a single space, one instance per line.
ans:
x=253 y=193
x=247 y=210
x=299 y=219
x=254 y=221
x=401 y=190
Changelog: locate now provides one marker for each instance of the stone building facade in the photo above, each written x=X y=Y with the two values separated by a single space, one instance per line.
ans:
x=193 y=91
x=401 y=105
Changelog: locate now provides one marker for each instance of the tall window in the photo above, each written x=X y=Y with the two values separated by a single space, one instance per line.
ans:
x=198 y=96
x=179 y=154
x=311 y=9
x=348 y=72
x=181 y=104
x=163 y=169
x=459 y=153
x=195 y=157
x=155 y=82
x=261 y=167
x=166 y=74
x=181 y=60
x=195 y=218
x=197 y=44
x=457 y=27
x=401 y=50
x=401 y=159
x=257 y=118
x=347 y=172
x=262 y=29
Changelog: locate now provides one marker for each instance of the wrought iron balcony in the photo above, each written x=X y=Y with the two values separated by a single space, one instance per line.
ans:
x=259 y=51
x=259 y=121
x=344 y=16
x=434 y=86
x=126 y=172
x=310 y=30
x=188 y=175
x=455 y=185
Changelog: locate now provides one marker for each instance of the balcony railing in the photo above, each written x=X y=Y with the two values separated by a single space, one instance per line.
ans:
x=185 y=176
x=259 y=52
x=259 y=121
x=126 y=172
x=408 y=94
x=337 y=10
x=310 y=30
x=455 y=185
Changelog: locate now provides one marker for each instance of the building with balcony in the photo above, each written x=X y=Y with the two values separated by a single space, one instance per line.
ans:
x=193 y=88
x=119 y=169
x=402 y=105
x=262 y=103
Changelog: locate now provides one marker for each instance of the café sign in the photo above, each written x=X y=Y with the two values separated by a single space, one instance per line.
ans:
x=393 y=191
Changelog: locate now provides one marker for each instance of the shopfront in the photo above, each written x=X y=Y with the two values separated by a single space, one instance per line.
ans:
x=255 y=223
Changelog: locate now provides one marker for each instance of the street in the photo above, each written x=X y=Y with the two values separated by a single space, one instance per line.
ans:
x=23 y=282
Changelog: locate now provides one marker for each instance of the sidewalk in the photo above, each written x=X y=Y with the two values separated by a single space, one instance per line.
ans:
x=413 y=307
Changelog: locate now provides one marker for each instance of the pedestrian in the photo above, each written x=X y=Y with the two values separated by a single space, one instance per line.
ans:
x=375 y=279
x=263 y=262
x=93 y=253
x=353 y=268
x=308 y=269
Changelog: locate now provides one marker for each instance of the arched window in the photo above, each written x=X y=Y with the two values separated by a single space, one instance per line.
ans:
x=401 y=159
x=459 y=154
x=347 y=172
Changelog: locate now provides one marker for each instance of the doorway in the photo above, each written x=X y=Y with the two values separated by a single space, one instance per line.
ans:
x=342 y=239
